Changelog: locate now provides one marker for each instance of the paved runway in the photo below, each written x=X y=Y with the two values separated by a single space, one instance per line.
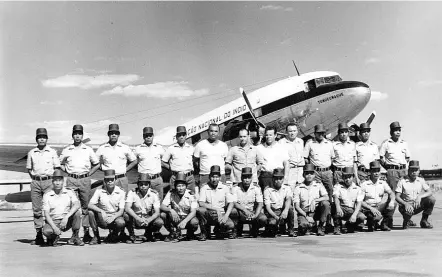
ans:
x=415 y=252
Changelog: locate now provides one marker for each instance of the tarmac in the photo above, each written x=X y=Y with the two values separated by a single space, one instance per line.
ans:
x=412 y=252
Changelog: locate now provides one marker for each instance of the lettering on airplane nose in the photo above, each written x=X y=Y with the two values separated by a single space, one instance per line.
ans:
x=330 y=98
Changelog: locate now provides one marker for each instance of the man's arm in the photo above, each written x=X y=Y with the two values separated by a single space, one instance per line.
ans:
x=51 y=223
x=94 y=169
x=130 y=211
x=269 y=210
x=286 y=171
x=229 y=209
x=299 y=210
x=207 y=206
x=258 y=209
x=131 y=165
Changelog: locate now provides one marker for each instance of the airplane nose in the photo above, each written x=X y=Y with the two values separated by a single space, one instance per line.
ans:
x=359 y=92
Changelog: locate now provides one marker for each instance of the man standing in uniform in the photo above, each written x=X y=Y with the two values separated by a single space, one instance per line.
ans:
x=41 y=163
x=216 y=204
x=244 y=155
x=106 y=209
x=275 y=156
x=278 y=205
x=143 y=210
x=179 y=211
x=311 y=202
x=373 y=207
x=414 y=196
x=178 y=158
x=209 y=152
x=115 y=155
x=248 y=204
x=149 y=156
x=348 y=200
x=61 y=211
x=366 y=152
x=295 y=149
x=76 y=161
x=344 y=154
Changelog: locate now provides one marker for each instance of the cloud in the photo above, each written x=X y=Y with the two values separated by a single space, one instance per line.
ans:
x=430 y=83
x=166 y=136
x=51 y=103
x=276 y=8
x=372 y=60
x=286 y=41
x=378 y=96
x=90 y=82
x=160 y=90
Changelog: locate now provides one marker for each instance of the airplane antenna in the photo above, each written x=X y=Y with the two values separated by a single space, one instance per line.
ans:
x=297 y=71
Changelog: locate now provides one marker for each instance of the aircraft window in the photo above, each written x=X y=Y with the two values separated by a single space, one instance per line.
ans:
x=332 y=79
x=319 y=82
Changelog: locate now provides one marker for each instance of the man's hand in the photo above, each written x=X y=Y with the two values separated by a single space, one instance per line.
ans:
x=57 y=230
x=408 y=208
x=390 y=205
x=110 y=218
x=276 y=217
x=310 y=219
x=339 y=212
x=248 y=214
x=146 y=221
x=175 y=216
x=224 y=219
x=312 y=206
x=284 y=214
x=182 y=224
x=220 y=215
x=353 y=218
x=64 y=223
x=417 y=202
x=375 y=212
x=139 y=220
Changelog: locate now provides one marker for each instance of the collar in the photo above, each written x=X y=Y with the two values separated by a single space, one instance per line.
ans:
x=312 y=184
x=107 y=144
x=47 y=148
x=81 y=145
x=251 y=187
x=323 y=141
x=398 y=141
x=185 y=195
x=145 y=145
x=63 y=191
x=116 y=190
x=220 y=186
x=148 y=193
x=248 y=145
x=184 y=145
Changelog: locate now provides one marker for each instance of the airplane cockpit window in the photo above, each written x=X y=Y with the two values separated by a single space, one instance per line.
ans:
x=327 y=80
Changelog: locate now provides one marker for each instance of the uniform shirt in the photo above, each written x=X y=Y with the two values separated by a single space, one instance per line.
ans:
x=304 y=195
x=395 y=152
x=149 y=158
x=366 y=152
x=42 y=163
x=295 y=150
x=115 y=157
x=247 y=198
x=348 y=196
x=143 y=204
x=410 y=190
x=211 y=154
x=78 y=160
x=320 y=154
x=373 y=193
x=182 y=205
x=276 y=198
x=218 y=197
x=179 y=158
x=59 y=205
x=240 y=157
x=345 y=153
x=274 y=156
x=112 y=202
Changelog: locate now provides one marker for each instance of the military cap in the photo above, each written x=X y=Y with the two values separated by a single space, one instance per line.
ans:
x=364 y=126
x=57 y=174
x=342 y=126
x=77 y=128
x=414 y=164
x=278 y=172
x=395 y=125
x=147 y=130
x=309 y=168
x=348 y=171
x=109 y=173
x=41 y=132
x=215 y=169
x=319 y=128
x=114 y=128
x=181 y=129
x=246 y=171
x=143 y=177
x=180 y=178
x=375 y=165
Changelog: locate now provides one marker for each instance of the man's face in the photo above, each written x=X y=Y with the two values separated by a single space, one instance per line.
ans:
x=396 y=133
x=41 y=140
x=181 y=188
x=243 y=137
x=77 y=136
x=319 y=136
x=365 y=135
x=292 y=132
x=277 y=181
x=413 y=173
x=270 y=136
x=57 y=182
x=148 y=138
x=246 y=180
x=214 y=178
x=309 y=176
x=181 y=137
x=261 y=131
x=144 y=186
x=213 y=132
x=113 y=136
x=109 y=182
x=375 y=173
x=348 y=179
x=343 y=135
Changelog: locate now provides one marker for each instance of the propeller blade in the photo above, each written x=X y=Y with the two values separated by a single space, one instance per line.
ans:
x=86 y=140
x=372 y=116
x=243 y=94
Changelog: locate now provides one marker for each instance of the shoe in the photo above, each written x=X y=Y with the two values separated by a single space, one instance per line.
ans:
x=202 y=237
x=425 y=224
x=94 y=241
x=78 y=242
x=233 y=235
x=370 y=228
x=87 y=238
x=405 y=225
x=131 y=239
x=292 y=233
x=337 y=231
x=390 y=223
x=123 y=237
x=321 y=232
x=329 y=228
x=254 y=233
x=169 y=238
x=39 y=240
x=384 y=227
x=148 y=237
x=411 y=223
x=55 y=241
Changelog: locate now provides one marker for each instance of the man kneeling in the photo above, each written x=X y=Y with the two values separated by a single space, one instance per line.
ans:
x=61 y=212
x=143 y=210
x=248 y=204
x=179 y=210
x=106 y=209
x=311 y=202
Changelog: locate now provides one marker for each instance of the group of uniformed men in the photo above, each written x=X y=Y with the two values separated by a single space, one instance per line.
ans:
x=260 y=182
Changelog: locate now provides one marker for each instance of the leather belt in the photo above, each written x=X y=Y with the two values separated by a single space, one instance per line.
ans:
x=79 y=176
x=335 y=168
x=363 y=169
x=296 y=166
x=392 y=166
x=153 y=176
x=186 y=174
x=322 y=168
x=41 y=178
x=120 y=176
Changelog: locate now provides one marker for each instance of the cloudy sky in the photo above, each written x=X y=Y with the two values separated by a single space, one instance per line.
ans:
x=161 y=63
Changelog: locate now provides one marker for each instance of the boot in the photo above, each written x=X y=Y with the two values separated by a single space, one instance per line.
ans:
x=39 y=240
x=75 y=239
x=424 y=222
x=350 y=227
x=337 y=229
x=321 y=231
x=292 y=233
x=239 y=230
x=86 y=237
x=172 y=236
x=54 y=241
x=190 y=235
x=370 y=227
x=384 y=226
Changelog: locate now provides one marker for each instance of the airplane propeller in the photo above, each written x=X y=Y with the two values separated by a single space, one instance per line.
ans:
x=243 y=94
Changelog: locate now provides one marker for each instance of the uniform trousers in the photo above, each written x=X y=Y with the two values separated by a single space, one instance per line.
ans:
x=382 y=207
x=83 y=189
x=347 y=213
x=96 y=220
x=295 y=176
x=209 y=218
x=74 y=222
x=169 y=224
x=38 y=189
x=239 y=218
x=321 y=212
x=326 y=177
x=131 y=223
x=290 y=219
x=426 y=206
x=393 y=177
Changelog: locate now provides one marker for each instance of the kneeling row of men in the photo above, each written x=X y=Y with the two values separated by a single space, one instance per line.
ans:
x=228 y=209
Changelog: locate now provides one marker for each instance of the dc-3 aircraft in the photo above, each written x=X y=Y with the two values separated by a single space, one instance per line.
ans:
x=308 y=99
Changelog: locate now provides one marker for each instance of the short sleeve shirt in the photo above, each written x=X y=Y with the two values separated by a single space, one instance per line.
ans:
x=295 y=149
x=149 y=158
x=410 y=190
x=240 y=157
x=395 y=153
x=78 y=160
x=109 y=202
x=345 y=153
x=42 y=162
x=218 y=197
x=143 y=205
x=273 y=155
x=373 y=193
x=179 y=158
x=276 y=198
x=115 y=157
x=182 y=205
x=248 y=198
x=60 y=204
x=211 y=154
x=366 y=152
x=304 y=195
x=319 y=153
x=348 y=196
